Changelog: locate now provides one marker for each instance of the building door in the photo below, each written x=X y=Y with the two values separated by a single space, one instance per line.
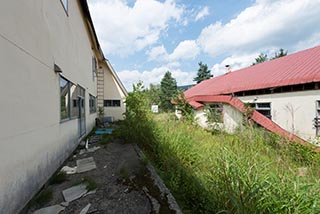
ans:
x=82 y=112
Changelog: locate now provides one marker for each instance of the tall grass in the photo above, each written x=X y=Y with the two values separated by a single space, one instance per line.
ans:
x=249 y=172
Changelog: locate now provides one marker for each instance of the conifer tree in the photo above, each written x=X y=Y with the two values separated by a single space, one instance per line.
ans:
x=203 y=73
x=168 y=88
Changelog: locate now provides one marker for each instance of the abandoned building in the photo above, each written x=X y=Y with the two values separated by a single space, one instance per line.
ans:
x=283 y=93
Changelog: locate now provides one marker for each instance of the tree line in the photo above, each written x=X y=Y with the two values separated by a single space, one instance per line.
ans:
x=164 y=93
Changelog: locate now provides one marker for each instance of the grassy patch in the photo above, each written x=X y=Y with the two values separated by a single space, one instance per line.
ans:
x=89 y=182
x=253 y=171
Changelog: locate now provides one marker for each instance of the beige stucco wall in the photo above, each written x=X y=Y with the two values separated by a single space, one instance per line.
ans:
x=293 y=111
x=33 y=36
x=232 y=119
x=201 y=118
x=112 y=91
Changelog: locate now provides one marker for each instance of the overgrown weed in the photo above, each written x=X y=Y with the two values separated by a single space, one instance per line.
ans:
x=251 y=171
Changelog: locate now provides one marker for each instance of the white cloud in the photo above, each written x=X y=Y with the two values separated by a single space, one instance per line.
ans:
x=309 y=42
x=202 y=13
x=158 y=53
x=173 y=64
x=124 y=30
x=187 y=49
x=267 y=23
x=154 y=76
x=236 y=62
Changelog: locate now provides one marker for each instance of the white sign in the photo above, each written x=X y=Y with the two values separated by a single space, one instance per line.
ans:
x=154 y=108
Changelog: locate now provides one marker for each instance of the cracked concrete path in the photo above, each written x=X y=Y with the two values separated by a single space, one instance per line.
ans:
x=123 y=184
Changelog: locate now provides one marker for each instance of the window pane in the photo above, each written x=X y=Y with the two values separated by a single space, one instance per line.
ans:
x=74 y=98
x=116 y=103
x=92 y=104
x=107 y=103
x=81 y=91
x=64 y=98
x=263 y=105
x=65 y=4
x=112 y=103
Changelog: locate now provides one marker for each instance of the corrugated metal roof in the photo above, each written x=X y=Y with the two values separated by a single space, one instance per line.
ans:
x=195 y=104
x=298 y=68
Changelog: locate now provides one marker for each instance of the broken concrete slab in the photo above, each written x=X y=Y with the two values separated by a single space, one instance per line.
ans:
x=90 y=192
x=55 y=209
x=64 y=204
x=69 y=170
x=93 y=149
x=85 y=164
x=85 y=209
x=74 y=192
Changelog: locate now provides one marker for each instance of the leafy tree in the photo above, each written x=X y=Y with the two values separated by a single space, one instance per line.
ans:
x=261 y=58
x=168 y=88
x=203 y=73
x=279 y=54
x=153 y=94
x=138 y=124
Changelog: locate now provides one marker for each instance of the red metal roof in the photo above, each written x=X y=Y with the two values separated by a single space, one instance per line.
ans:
x=298 y=68
x=195 y=104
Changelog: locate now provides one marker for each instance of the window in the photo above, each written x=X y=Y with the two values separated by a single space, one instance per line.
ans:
x=64 y=98
x=263 y=108
x=92 y=104
x=74 y=99
x=216 y=114
x=65 y=5
x=111 y=103
x=94 y=67
x=69 y=102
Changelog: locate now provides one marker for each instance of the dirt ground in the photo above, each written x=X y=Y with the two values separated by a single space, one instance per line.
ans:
x=123 y=183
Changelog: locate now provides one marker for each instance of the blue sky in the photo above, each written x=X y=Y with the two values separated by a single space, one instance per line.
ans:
x=145 y=38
